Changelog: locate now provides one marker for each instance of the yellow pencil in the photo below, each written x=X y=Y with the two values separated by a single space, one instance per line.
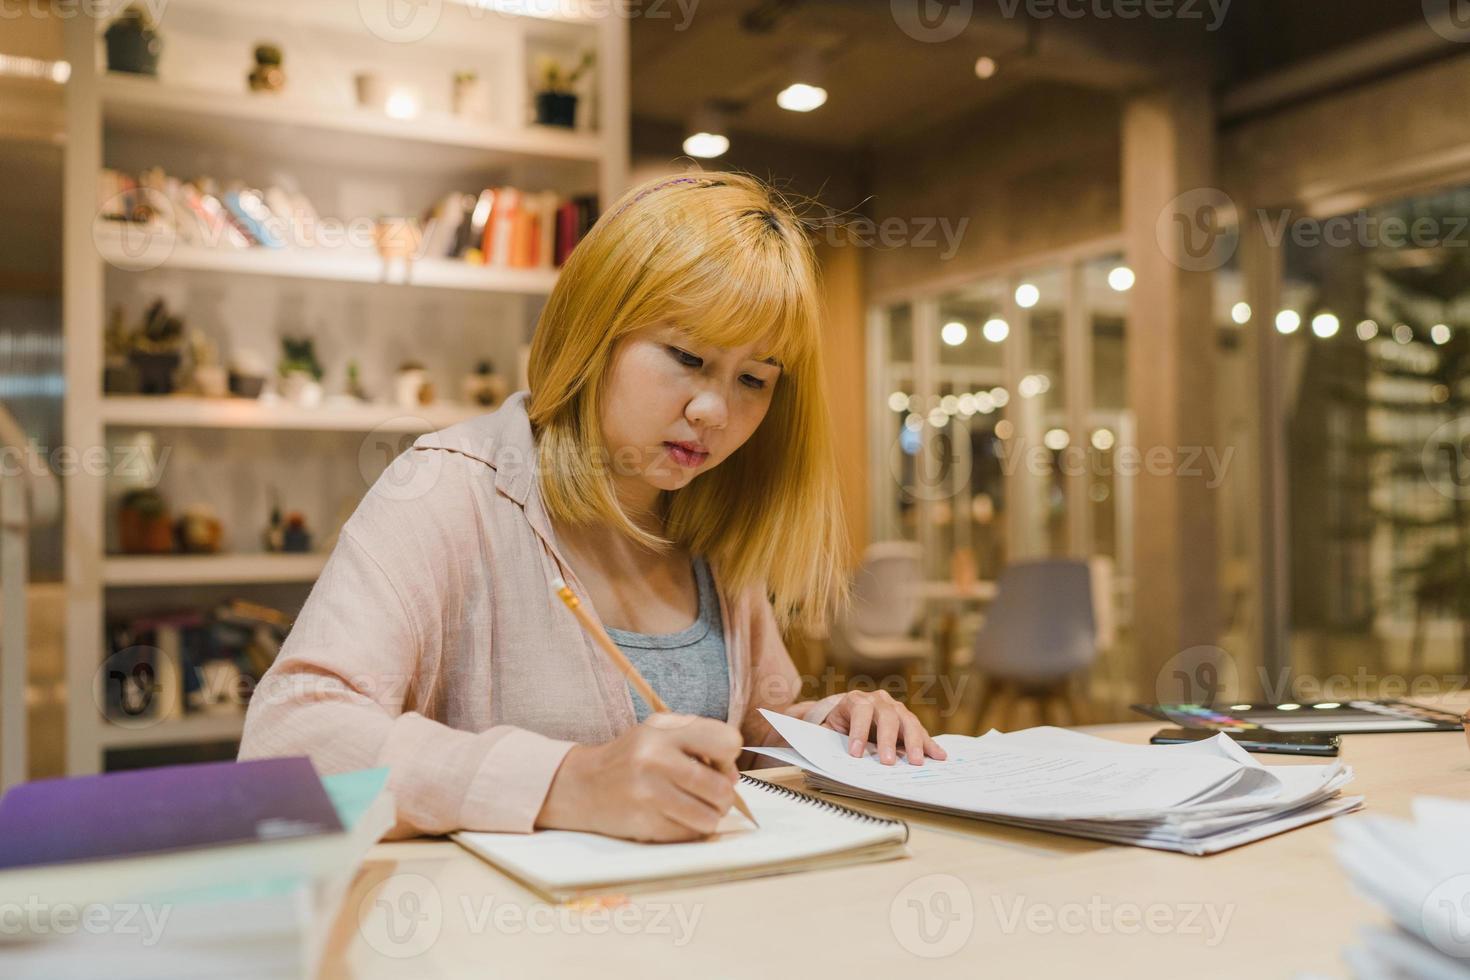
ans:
x=645 y=691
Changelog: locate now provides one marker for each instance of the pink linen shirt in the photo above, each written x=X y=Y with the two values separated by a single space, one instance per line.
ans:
x=433 y=644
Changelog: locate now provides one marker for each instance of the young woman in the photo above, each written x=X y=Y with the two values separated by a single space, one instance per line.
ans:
x=672 y=463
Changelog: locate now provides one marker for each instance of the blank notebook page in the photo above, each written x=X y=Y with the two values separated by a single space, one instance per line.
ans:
x=793 y=826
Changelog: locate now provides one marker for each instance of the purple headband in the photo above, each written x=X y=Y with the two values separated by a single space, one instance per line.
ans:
x=700 y=181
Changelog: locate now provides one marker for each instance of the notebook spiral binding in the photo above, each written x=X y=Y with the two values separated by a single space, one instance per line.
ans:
x=828 y=805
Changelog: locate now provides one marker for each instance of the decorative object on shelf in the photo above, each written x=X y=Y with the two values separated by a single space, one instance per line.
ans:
x=484 y=387
x=556 y=103
x=143 y=523
x=301 y=372
x=354 y=381
x=267 y=75
x=155 y=350
x=207 y=376
x=372 y=90
x=294 y=536
x=119 y=376
x=199 y=531
x=409 y=384
x=470 y=96
x=133 y=43
x=397 y=238
x=273 y=538
x=247 y=375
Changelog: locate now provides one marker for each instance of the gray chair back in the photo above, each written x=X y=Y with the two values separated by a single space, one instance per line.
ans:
x=883 y=599
x=1041 y=626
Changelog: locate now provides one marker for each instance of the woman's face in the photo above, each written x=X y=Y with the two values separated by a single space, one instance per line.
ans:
x=674 y=408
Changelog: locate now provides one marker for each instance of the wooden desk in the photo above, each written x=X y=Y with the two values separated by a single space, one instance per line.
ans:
x=1017 y=904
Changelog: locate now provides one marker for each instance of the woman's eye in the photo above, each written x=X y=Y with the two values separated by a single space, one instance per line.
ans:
x=685 y=358
x=751 y=381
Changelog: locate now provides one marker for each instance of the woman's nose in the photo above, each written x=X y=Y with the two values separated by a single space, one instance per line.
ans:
x=707 y=409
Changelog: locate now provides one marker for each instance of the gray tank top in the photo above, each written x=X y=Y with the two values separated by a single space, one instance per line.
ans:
x=688 y=669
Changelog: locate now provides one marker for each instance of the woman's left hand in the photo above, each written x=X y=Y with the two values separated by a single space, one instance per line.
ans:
x=860 y=712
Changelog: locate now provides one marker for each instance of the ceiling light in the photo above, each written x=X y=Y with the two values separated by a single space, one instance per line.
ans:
x=995 y=330
x=985 y=67
x=801 y=97
x=1241 y=313
x=1324 y=325
x=1027 y=295
x=954 y=333
x=1120 y=279
x=706 y=134
x=1287 y=321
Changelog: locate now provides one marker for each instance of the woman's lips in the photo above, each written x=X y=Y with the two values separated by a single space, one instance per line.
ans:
x=685 y=456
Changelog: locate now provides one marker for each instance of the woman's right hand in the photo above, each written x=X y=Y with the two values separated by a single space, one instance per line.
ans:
x=649 y=783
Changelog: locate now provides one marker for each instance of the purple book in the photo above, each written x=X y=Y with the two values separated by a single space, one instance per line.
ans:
x=171 y=808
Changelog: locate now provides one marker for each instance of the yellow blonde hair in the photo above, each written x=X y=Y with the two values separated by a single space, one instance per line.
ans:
x=725 y=257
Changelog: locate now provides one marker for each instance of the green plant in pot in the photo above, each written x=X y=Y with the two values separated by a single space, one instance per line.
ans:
x=268 y=75
x=556 y=103
x=133 y=43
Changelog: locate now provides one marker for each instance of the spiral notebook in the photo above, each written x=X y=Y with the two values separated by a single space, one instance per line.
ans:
x=797 y=832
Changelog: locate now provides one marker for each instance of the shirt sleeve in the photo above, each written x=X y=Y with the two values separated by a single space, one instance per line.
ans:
x=356 y=656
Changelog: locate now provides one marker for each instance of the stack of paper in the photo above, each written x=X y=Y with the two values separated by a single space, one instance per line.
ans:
x=1419 y=872
x=1197 y=798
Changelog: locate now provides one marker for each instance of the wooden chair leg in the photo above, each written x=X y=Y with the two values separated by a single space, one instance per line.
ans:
x=1001 y=709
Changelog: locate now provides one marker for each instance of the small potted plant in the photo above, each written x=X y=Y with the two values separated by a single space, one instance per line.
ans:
x=470 y=96
x=157 y=350
x=556 y=103
x=301 y=372
x=267 y=75
x=133 y=44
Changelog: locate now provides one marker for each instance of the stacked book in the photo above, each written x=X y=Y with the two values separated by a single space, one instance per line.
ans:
x=1196 y=798
x=507 y=228
x=1418 y=872
x=209 y=870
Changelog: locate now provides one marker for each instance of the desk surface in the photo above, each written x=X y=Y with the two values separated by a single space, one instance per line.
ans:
x=972 y=900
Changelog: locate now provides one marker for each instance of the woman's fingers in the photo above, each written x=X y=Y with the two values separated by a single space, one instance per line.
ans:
x=860 y=717
x=934 y=750
x=913 y=738
x=888 y=725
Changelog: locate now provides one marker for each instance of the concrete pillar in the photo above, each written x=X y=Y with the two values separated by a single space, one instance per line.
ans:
x=1168 y=170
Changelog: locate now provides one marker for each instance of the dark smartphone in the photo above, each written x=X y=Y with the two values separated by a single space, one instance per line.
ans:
x=1257 y=740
